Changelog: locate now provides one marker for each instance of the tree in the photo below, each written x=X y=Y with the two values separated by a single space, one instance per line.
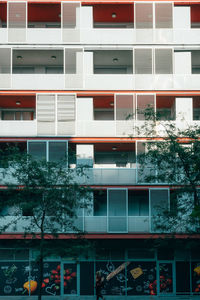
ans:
x=45 y=198
x=173 y=159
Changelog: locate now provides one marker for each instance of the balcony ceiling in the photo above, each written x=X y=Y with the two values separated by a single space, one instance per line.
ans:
x=108 y=147
x=10 y=101
x=38 y=57
x=108 y=57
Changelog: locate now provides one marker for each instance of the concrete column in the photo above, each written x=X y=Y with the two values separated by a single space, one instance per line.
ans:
x=87 y=17
x=181 y=17
x=84 y=108
x=79 y=62
x=184 y=109
x=182 y=63
x=88 y=63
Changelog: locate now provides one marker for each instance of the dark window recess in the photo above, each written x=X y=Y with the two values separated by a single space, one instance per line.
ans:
x=165 y=254
x=27 y=211
x=182 y=277
x=100 y=203
x=138 y=203
x=14 y=254
x=141 y=254
x=87 y=278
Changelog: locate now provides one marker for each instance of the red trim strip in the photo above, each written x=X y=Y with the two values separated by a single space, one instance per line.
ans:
x=11 y=236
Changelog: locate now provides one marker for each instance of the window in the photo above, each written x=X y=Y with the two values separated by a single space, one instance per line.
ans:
x=163 y=15
x=100 y=203
x=125 y=107
x=17 y=115
x=47 y=150
x=144 y=15
x=145 y=105
x=163 y=61
x=138 y=203
x=143 y=61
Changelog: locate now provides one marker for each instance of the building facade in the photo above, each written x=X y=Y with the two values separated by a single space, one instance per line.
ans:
x=74 y=77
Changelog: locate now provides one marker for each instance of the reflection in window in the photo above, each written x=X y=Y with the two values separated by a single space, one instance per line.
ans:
x=163 y=15
x=57 y=151
x=50 y=151
x=163 y=61
x=143 y=61
x=144 y=15
x=37 y=150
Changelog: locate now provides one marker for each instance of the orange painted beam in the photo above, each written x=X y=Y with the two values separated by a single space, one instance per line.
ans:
x=100 y=93
x=21 y=236
x=89 y=2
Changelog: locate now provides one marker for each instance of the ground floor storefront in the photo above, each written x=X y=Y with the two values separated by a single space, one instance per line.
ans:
x=155 y=269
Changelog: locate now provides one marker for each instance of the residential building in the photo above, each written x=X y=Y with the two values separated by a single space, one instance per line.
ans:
x=74 y=76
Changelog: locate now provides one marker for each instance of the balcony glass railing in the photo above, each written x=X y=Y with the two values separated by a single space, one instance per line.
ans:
x=90 y=224
x=104 y=36
x=94 y=129
x=100 y=81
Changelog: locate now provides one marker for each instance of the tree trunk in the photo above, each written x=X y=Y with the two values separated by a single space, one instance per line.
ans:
x=41 y=267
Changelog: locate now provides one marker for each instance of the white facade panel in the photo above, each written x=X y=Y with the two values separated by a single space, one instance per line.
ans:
x=18 y=128
x=181 y=17
x=37 y=81
x=179 y=66
x=84 y=109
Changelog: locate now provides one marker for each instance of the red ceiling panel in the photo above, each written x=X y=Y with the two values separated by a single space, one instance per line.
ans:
x=3 y=12
x=103 y=13
x=196 y=102
x=165 y=101
x=40 y=12
x=10 y=101
x=195 y=13
x=107 y=147
x=103 y=101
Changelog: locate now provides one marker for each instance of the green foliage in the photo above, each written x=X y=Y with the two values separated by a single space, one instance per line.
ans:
x=173 y=159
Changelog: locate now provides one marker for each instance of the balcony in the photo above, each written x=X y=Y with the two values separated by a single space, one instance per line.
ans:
x=87 y=223
x=42 y=23
x=79 y=69
x=17 y=116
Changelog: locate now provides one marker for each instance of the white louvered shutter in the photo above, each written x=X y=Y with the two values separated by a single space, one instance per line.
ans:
x=46 y=114
x=66 y=114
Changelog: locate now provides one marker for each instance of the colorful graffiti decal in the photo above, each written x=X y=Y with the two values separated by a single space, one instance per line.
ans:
x=141 y=277
x=166 y=284
x=70 y=279
x=115 y=285
x=196 y=277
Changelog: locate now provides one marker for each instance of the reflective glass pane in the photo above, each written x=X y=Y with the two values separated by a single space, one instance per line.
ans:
x=143 y=61
x=37 y=150
x=144 y=102
x=163 y=61
x=144 y=15
x=8 y=115
x=17 y=115
x=166 y=278
x=124 y=107
x=57 y=151
x=163 y=15
x=117 y=203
